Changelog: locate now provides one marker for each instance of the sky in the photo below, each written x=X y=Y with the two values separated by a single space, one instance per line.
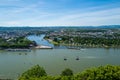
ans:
x=59 y=12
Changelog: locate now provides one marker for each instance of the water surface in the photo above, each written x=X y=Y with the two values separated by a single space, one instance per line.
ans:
x=14 y=63
x=40 y=40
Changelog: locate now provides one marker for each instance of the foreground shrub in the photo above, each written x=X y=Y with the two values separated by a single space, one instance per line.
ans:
x=67 y=72
x=34 y=72
x=107 y=72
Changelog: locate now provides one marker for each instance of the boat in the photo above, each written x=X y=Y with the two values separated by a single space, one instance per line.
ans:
x=77 y=58
x=65 y=59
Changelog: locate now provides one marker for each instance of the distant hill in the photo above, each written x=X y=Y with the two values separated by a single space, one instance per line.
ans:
x=55 y=27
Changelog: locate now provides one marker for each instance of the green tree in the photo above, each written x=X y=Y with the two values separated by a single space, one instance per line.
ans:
x=55 y=39
x=67 y=72
x=34 y=72
x=107 y=72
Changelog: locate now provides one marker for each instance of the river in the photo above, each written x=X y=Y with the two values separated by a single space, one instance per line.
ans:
x=40 y=40
x=12 y=64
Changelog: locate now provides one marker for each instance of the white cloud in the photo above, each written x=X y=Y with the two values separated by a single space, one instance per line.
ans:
x=110 y=16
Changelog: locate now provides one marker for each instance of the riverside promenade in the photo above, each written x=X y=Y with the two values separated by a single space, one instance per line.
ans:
x=28 y=50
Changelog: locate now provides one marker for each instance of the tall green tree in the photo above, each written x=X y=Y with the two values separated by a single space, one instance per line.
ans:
x=67 y=72
x=34 y=72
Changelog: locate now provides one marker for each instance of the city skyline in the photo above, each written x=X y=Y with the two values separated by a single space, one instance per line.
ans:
x=59 y=12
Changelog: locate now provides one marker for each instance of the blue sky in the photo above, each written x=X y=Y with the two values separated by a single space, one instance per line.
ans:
x=59 y=12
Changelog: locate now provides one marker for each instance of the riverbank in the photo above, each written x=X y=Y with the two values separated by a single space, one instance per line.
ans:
x=91 y=46
x=62 y=43
x=52 y=42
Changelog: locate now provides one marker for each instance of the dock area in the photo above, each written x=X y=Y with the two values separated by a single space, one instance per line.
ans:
x=43 y=47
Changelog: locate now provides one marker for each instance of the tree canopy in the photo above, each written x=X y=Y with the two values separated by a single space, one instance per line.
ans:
x=34 y=72
x=108 y=72
x=67 y=72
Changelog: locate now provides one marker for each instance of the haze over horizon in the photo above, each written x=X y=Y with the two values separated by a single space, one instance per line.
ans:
x=59 y=12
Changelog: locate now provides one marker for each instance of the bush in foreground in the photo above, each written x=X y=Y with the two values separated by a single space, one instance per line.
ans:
x=34 y=72
x=107 y=72
x=67 y=72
